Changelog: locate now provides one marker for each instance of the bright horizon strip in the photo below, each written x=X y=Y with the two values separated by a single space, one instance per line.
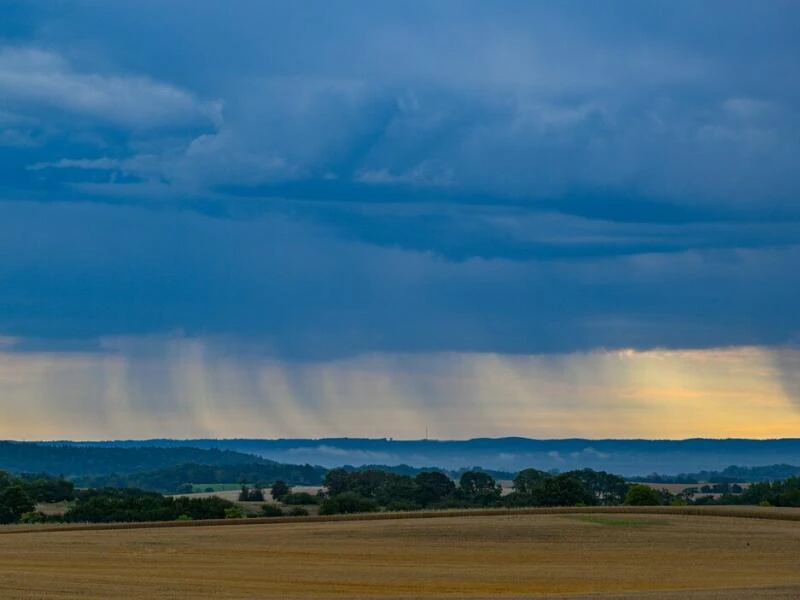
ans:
x=183 y=389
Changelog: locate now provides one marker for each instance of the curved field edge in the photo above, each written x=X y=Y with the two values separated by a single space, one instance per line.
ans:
x=769 y=513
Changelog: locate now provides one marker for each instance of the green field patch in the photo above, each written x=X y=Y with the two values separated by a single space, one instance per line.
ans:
x=618 y=521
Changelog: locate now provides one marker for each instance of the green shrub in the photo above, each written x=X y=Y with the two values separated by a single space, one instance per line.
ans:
x=348 y=503
x=279 y=489
x=299 y=498
x=33 y=517
x=642 y=495
x=14 y=502
x=251 y=494
x=271 y=510
x=235 y=512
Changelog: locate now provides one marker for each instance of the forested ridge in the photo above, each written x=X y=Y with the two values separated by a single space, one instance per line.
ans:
x=628 y=457
x=176 y=478
x=74 y=461
x=169 y=468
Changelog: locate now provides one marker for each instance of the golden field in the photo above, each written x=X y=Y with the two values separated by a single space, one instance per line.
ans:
x=605 y=554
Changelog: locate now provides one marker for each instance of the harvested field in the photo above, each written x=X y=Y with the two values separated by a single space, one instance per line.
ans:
x=661 y=554
x=53 y=508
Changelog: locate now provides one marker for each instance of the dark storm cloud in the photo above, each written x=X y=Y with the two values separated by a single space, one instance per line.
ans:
x=326 y=179
x=283 y=286
x=661 y=100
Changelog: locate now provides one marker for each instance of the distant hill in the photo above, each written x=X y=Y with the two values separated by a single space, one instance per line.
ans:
x=73 y=460
x=625 y=457
x=168 y=465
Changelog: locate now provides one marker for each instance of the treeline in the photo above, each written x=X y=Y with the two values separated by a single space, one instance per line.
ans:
x=129 y=505
x=20 y=494
x=784 y=492
x=732 y=474
x=178 y=479
x=366 y=491
x=83 y=462
x=372 y=490
x=113 y=505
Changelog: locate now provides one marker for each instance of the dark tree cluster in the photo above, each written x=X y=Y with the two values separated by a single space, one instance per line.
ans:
x=19 y=495
x=768 y=493
x=120 y=505
x=179 y=478
x=46 y=488
x=251 y=494
x=363 y=490
x=371 y=490
x=643 y=495
x=573 y=488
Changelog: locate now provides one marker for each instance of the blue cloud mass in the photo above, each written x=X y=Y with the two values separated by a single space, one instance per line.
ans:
x=327 y=179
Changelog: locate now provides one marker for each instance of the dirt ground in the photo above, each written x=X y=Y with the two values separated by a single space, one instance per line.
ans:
x=497 y=556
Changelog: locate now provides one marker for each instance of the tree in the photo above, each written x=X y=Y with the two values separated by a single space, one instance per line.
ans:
x=369 y=483
x=251 y=494
x=279 y=489
x=337 y=481
x=297 y=498
x=14 y=502
x=776 y=493
x=607 y=489
x=271 y=510
x=528 y=481
x=642 y=495
x=479 y=488
x=433 y=487
x=46 y=488
x=398 y=491
x=564 y=490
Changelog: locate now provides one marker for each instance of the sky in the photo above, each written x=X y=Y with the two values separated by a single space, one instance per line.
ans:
x=282 y=219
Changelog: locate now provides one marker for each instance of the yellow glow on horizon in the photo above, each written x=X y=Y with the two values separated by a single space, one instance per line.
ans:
x=180 y=388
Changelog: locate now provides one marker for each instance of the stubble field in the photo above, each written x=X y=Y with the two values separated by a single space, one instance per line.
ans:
x=604 y=555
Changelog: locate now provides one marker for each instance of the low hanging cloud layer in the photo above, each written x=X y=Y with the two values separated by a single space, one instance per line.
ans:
x=312 y=183
x=286 y=287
